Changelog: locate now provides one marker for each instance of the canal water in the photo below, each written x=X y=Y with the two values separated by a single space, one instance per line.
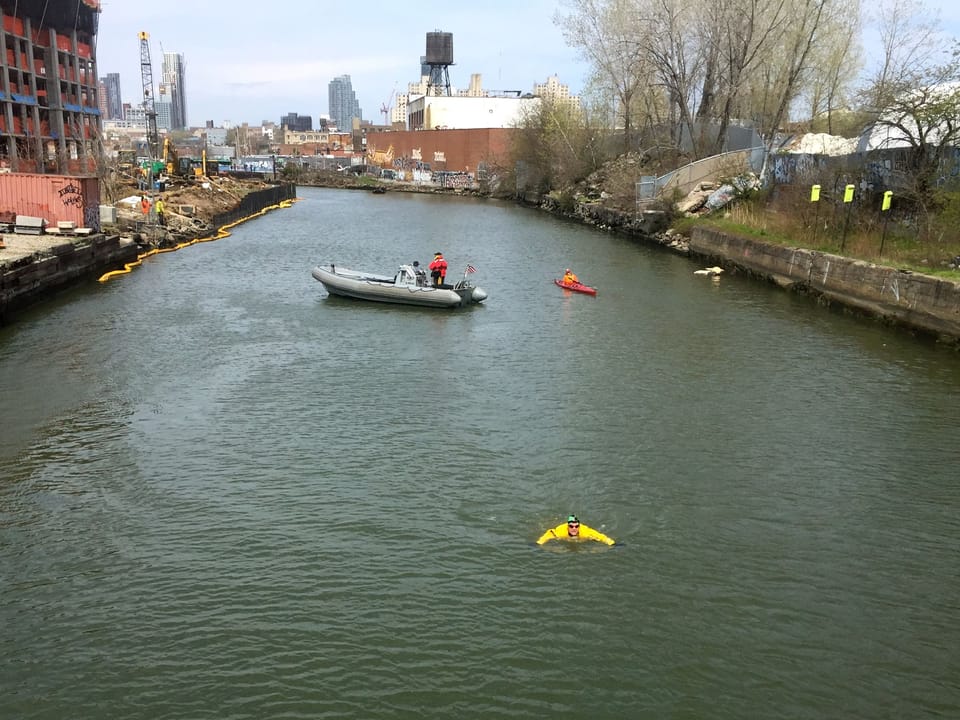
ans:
x=225 y=494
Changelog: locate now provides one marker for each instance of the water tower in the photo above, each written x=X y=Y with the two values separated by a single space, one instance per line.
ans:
x=438 y=59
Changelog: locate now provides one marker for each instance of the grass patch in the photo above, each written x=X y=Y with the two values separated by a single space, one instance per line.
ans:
x=837 y=230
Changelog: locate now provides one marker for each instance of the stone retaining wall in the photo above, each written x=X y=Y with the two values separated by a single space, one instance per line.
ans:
x=922 y=303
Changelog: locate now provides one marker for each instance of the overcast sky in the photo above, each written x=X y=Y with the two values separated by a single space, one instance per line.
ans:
x=250 y=60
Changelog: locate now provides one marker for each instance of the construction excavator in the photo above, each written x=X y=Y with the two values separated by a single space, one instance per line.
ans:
x=185 y=167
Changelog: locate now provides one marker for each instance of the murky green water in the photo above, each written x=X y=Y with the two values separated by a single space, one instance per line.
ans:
x=224 y=494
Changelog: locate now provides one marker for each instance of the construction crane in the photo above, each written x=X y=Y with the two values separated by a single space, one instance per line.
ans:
x=149 y=110
x=385 y=108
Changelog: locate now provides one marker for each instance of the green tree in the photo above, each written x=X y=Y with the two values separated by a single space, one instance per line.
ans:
x=555 y=146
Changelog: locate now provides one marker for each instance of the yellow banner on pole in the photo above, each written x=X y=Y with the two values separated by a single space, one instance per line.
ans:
x=848 y=194
x=814 y=193
x=887 y=197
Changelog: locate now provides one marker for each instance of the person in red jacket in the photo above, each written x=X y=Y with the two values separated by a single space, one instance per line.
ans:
x=438 y=269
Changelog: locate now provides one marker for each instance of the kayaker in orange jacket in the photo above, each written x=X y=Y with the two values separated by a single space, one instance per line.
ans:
x=569 y=277
x=573 y=530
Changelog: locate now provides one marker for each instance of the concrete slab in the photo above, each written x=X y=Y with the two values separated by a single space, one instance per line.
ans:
x=16 y=246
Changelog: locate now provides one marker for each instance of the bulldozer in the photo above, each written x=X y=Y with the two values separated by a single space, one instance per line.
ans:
x=126 y=160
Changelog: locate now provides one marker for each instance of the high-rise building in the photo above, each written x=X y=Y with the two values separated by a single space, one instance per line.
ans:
x=102 y=99
x=174 y=71
x=297 y=123
x=163 y=107
x=343 y=104
x=112 y=101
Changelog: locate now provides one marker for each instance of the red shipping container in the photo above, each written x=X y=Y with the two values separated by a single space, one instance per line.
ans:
x=53 y=197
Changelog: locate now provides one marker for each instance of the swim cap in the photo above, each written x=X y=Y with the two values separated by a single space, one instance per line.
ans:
x=572 y=518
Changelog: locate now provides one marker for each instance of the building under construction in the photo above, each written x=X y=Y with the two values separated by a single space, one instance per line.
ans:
x=49 y=111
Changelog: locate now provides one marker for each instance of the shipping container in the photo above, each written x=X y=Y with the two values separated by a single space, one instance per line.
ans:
x=55 y=198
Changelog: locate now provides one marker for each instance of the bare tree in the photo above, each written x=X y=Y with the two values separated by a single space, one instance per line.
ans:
x=909 y=39
x=922 y=112
x=801 y=29
x=605 y=32
x=835 y=61
x=677 y=59
x=914 y=97
x=746 y=32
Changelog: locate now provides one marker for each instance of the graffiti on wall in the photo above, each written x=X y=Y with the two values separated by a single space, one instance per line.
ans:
x=878 y=170
x=71 y=195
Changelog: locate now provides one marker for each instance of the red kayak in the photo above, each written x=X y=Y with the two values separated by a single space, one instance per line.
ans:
x=576 y=287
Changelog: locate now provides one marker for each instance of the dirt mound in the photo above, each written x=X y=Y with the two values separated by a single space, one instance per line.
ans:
x=614 y=184
x=191 y=206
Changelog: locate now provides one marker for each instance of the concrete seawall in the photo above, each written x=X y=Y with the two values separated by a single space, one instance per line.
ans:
x=34 y=266
x=920 y=303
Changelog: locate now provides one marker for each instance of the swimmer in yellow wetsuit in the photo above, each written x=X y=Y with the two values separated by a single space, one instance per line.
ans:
x=573 y=530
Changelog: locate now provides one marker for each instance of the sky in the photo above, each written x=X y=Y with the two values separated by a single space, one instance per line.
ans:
x=250 y=61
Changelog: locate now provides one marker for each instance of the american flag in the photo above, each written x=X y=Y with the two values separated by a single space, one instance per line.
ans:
x=471 y=269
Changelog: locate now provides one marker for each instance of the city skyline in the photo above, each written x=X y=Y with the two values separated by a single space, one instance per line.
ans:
x=256 y=75
x=252 y=71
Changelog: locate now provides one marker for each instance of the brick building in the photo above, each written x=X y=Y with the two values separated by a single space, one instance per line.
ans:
x=464 y=150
